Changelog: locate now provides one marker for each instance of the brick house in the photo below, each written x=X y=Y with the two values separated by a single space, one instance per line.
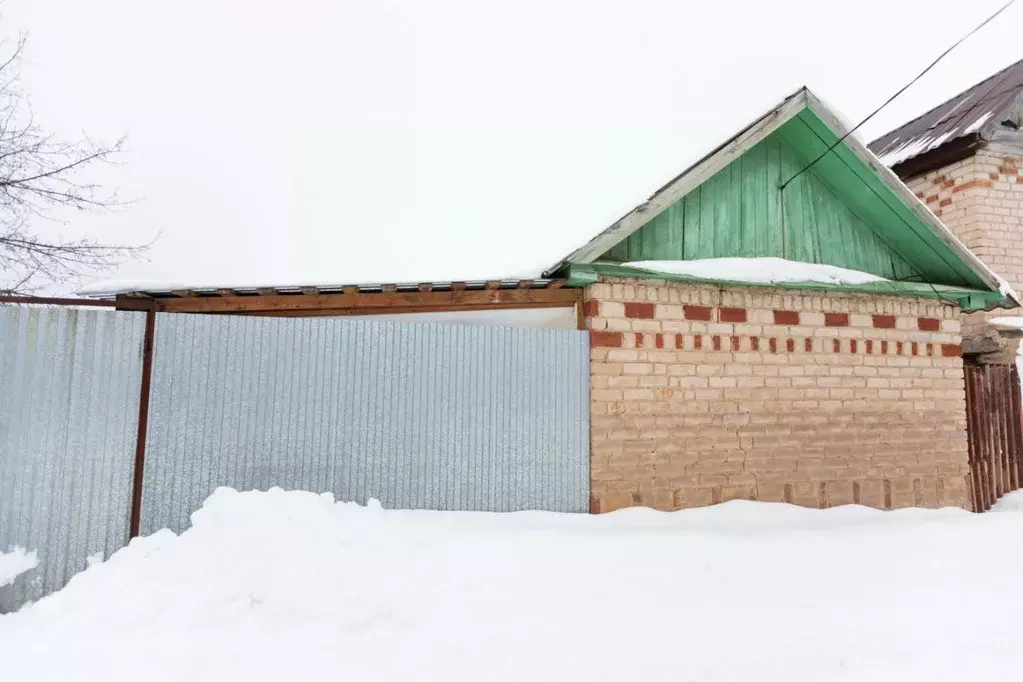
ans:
x=962 y=159
x=705 y=389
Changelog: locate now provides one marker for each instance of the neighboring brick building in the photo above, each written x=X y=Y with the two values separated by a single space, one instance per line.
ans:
x=962 y=159
x=706 y=388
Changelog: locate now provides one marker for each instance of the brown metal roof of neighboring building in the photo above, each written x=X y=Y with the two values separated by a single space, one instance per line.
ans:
x=973 y=112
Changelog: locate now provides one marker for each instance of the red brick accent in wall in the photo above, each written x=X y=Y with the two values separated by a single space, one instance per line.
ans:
x=765 y=344
x=884 y=321
x=732 y=314
x=836 y=319
x=928 y=324
x=591 y=308
x=951 y=350
x=606 y=339
x=639 y=311
x=787 y=317
x=697 y=313
x=971 y=183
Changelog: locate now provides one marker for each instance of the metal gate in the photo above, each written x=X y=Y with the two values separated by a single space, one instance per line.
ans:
x=419 y=416
x=995 y=432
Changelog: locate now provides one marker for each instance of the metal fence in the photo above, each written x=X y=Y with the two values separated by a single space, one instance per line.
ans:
x=995 y=430
x=69 y=394
x=419 y=416
x=434 y=416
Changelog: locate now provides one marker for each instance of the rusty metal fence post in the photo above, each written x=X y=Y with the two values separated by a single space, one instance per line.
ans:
x=138 y=473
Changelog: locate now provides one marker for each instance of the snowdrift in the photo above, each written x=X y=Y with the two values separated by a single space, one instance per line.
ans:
x=294 y=586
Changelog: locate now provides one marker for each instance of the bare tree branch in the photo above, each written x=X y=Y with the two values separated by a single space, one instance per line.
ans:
x=38 y=175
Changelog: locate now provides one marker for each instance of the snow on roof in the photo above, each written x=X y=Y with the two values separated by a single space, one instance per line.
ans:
x=965 y=114
x=114 y=287
x=757 y=270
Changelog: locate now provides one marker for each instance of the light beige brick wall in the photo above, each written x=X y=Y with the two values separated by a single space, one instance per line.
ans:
x=981 y=199
x=701 y=394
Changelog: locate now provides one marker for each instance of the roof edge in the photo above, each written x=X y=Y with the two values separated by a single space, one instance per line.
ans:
x=940 y=230
x=947 y=100
x=714 y=161
x=939 y=157
x=968 y=300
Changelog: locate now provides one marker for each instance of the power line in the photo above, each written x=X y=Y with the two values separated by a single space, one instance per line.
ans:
x=901 y=90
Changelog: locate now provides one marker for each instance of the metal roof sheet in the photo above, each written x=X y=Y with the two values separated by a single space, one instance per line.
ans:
x=972 y=111
x=158 y=290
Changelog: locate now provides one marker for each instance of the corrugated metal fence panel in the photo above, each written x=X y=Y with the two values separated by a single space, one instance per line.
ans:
x=422 y=416
x=69 y=387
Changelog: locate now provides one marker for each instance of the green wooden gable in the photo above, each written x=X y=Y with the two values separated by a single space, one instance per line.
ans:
x=846 y=211
x=742 y=211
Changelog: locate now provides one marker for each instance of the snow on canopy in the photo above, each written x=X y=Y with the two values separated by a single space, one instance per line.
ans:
x=757 y=270
x=295 y=586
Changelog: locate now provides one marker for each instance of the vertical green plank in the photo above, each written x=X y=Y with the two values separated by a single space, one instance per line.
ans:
x=659 y=236
x=643 y=241
x=859 y=258
x=724 y=213
x=827 y=224
x=802 y=235
x=792 y=204
x=691 y=247
x=771 y=235
x=735 y=192
x=706 y=243
x=617 y=251
x=673 y=238
x=753 y=200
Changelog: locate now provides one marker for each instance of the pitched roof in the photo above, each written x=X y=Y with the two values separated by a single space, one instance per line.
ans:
x=972 y=112
x=900 y=217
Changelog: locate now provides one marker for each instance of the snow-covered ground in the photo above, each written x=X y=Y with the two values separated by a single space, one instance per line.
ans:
x=290 y=586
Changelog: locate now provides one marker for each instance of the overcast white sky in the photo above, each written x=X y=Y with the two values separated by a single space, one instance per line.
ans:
x=276 y=142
